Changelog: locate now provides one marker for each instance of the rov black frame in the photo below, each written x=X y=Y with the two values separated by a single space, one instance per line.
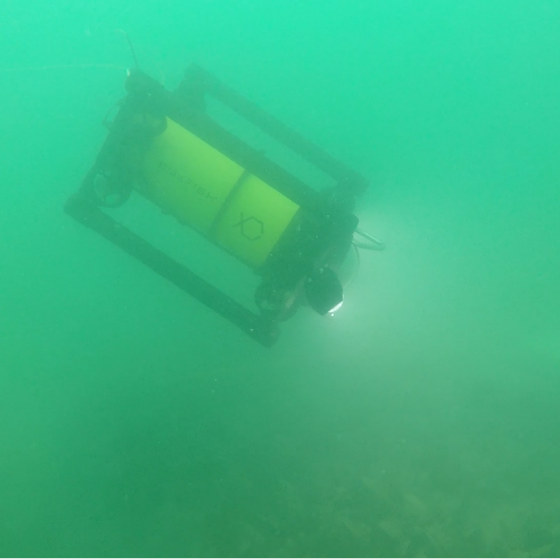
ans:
x=331 y=208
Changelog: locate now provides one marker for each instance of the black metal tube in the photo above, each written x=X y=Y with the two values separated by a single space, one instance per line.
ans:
x=259 y=328
x=208 y=83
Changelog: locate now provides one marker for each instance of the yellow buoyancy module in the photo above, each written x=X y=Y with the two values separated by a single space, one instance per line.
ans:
x=201 y=187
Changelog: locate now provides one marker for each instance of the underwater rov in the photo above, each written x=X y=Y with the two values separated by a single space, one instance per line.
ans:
x=165 y=146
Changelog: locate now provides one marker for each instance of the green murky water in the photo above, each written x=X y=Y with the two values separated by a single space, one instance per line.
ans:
x=421 y=420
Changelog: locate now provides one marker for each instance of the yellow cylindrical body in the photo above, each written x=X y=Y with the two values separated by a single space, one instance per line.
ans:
x=203 y=188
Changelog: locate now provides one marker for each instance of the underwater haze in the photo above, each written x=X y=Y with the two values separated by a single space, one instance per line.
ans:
x=421 y=420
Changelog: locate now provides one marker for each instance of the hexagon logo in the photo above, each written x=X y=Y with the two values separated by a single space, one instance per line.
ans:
x=252 y=228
